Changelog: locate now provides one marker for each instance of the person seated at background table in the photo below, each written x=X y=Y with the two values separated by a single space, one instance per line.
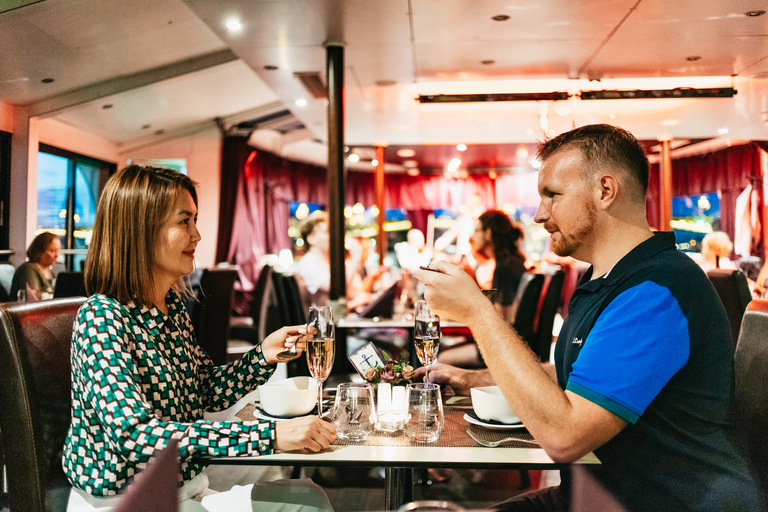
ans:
x=36 y=276
x=412 y=253
x=315 y=266
x=361 y=284
x=138 y=377
x=495 y=239
x=643 y=365
x=716 y=250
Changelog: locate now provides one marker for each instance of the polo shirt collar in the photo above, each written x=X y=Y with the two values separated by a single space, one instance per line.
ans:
x=660 y=241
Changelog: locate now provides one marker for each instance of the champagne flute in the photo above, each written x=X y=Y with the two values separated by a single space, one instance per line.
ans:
x=426 y=331
x=321 y=343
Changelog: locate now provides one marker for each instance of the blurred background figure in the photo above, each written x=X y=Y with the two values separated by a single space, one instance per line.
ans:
x=716 y=250
x=315 y=266
x=35 y=277
x=362 y=285
x=412 y=253
x=495 y=241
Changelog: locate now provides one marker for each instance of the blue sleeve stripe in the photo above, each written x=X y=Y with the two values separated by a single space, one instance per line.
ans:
x=637 y=344
x=609 y=405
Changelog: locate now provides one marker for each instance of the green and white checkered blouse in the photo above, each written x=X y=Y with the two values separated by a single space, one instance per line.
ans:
x=138 y=380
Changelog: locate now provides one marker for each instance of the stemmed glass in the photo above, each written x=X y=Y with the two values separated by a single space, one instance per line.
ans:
x=321 y=343
x=426 y=331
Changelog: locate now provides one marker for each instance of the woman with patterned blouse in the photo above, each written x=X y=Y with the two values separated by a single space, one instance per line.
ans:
x=138 y=377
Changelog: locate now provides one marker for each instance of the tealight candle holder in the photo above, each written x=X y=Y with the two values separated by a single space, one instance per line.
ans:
x=390 y=407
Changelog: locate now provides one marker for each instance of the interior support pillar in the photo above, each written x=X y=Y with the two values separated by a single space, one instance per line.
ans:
x=665 y=185
x=381 y=237
x=23 y=198
x=336 y=173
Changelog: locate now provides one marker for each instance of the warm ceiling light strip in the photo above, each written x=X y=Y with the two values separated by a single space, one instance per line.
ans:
x=467 y=98
x=682 y=92
x=630 y=94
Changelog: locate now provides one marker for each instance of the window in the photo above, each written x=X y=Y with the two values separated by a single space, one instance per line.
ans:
x=692 y=218
x=68 y=187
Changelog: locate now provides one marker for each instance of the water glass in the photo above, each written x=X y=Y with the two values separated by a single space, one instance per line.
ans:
x=354 y=411
x=21 y=296
x=425 y=412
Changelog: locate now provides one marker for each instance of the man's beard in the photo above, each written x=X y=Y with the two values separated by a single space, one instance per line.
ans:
x=570 y=243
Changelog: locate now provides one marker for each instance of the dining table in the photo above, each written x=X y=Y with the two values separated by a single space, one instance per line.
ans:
x=399 y=455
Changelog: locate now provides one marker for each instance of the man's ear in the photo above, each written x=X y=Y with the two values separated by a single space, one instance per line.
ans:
x=608 y=188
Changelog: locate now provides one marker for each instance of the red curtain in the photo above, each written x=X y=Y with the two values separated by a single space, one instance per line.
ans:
x=728 y=171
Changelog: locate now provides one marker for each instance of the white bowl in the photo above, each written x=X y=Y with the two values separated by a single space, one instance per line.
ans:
x=489 y=404
x=291 y=397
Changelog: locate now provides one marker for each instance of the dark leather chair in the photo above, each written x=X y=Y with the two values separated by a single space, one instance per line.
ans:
x=69 y=284
x=751 y=389
x=551 y=292
x=527 y=304
x=35 y=408
x=732 y=287
x=247 y=328
x=211 y=315
x=156 y=488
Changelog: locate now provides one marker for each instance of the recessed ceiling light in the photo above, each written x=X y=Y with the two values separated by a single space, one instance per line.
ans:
x=47 y=80
x=612 y=116
x=354 y=158
x=405 y=153
x=453 y=165
x=754 y=14
x=233 y=25
x=492 y=174
x=107 y=106
x=374 y=162
x=500 y=17
x=722 y=131
x=522 y=152
x=301 y=102
x=461 y=147
x=270 y=67
x=693 y=58
x=487 y=62
x=413 y=171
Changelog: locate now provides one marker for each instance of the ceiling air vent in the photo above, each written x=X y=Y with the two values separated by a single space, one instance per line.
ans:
x=313 y=83
x=282 y=122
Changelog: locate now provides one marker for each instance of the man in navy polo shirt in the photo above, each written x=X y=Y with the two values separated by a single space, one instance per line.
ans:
x=643 y=364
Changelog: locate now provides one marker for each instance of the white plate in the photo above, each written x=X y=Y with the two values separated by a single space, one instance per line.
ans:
x=473 y=421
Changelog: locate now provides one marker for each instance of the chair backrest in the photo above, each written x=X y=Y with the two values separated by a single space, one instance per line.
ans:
x=751 y=390
x=732 y=287
x=527 y=304
x=541 y=344
x=296 y=311
x=35 y=408
x=69 y=284
x=211 y=316
x=6 y=278
x=156 y=488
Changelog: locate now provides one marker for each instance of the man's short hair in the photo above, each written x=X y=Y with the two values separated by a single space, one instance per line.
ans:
x=604 y=146
x=309 y=224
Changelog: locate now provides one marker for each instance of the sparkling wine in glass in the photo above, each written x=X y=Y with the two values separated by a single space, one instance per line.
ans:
x=426 y=331
x=321 y=348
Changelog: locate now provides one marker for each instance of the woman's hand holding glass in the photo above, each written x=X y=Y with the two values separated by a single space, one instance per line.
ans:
x=283 y=339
